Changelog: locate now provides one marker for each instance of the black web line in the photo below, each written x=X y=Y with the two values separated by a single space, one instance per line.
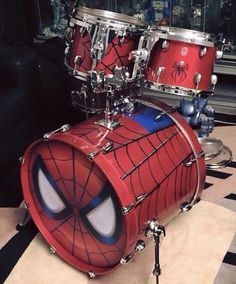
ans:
x=161 y=182
x=165 y=194
x=54 y=160
x=139 y=133
x=60 y=224
x=86 y=249
x=86 y=183
x=149 y=155
x=149 y=166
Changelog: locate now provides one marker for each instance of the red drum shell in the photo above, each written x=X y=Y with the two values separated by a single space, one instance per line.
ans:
x=144 y=162
x=182 y=60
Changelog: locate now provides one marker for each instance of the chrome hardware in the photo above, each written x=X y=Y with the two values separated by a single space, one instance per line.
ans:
x=170 y=110
x=197 y=79
x=108 y=123
x=68 y=34
x=154 y=229
x=63 y=128
x=186 y=206
x=160 y=73
x=189 y=162
x=119 y=78
x=92 y=155
x=125 y=210
x=97 y=81
x=203 y=51
x=52 y=249
x=92 y=274
x=140 y=55
x=25 y=217
x=108 y=147
x=82 y=30
x=140 y=198
x=219 y=54
x=165 y=44
x=213 y=81
x=25 y=205
x=21 y=160
x=140 y=245
x=77 y=60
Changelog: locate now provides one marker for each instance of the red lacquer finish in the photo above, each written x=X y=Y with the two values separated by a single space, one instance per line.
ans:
x=79 y=54
x=97 y=42
x=141 y=162
x=182 y=61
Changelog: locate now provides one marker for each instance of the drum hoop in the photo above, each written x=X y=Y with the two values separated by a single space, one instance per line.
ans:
x=130 y=219
x=176 y=118
x=97 y=13
x=221 y=165
x=184 y=35
x=176 y=90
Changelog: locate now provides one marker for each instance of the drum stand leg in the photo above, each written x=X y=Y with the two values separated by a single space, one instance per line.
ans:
x=156 y=230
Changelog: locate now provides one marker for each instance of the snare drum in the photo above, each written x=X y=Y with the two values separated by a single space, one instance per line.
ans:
x=91 y=191
x=181 y=61
x=100 y=40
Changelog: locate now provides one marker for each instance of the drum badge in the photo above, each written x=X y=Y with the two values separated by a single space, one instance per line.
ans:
x=184 y=51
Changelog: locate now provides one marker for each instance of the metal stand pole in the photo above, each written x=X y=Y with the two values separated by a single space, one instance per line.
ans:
x=156 y=231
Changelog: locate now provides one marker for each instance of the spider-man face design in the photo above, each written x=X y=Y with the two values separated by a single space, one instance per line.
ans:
x=76 y=204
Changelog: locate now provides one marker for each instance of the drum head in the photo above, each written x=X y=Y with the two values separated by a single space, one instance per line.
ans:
x=68 y=196
x=223 y=159
x=211 y=147
x=112 y=16
x=185 y=35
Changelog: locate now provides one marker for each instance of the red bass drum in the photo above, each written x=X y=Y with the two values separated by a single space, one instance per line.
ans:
x=91 y=191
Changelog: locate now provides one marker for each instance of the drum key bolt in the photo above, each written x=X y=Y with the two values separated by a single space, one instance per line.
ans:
x=186 y=206
x=52 y=249
x=92 y=155
x=203 y=52
x=63 y=128
x=21 y=160
x=108 y=147
x=189 y=162
x=140 y=245
x=92 y=274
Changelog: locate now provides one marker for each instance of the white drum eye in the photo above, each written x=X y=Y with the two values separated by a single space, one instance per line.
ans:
x=103 y=218
x=50 y=197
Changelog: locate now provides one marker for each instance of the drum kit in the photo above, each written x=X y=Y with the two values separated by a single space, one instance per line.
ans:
x=96 y=188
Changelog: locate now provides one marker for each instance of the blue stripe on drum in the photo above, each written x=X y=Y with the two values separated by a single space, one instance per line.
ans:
x=147 y=118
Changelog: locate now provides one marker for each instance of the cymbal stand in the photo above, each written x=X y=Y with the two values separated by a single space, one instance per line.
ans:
x=156 y=230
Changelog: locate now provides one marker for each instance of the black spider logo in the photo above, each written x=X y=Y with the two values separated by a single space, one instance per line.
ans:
x=179 y=72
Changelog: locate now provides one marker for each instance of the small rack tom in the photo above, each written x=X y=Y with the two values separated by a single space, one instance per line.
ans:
x=181 y=61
